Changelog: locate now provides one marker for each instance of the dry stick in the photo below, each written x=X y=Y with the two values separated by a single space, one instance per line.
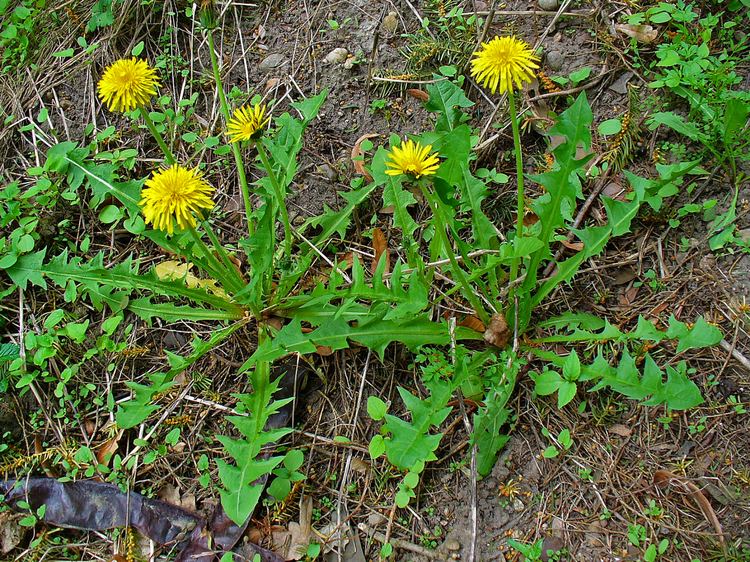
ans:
x=370 y=63
x=576 y=223
x=736 y=354
x=473 y=471
x=399 y=543
x=580 y=14
x=348 y=465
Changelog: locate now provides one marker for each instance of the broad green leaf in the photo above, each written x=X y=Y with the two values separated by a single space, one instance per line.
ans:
x=610 y=127
x=377 y=447
x=28 y=269
x=701 y=334
x=566 y=393
x=547 y=382
x=676 y=123
x=376 y=408
x=447 y=99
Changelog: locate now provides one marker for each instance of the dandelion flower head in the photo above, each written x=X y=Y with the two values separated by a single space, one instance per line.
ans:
x=247 y=122
x=175 y=194
x=504 y=64
x=413 y=159
x=127 y=84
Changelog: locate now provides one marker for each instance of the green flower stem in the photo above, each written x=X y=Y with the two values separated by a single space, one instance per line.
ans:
x=440 y=231
x=168 y=156
x=519 y=181
x=235 y=148
x=279 y=196
x=216 y=269
x=223 y=254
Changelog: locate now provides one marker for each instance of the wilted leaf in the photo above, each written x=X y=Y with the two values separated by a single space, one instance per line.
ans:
x=664 y=479
x=292 y=543
x=577 y=246
x=357 y=154
x=11 y=533
x=421 y=95
x=380 y=245
x=473 y=323
x=172 y=270
x=641 y=33
x=497 y=333
x=105 y=451
x=621 y=430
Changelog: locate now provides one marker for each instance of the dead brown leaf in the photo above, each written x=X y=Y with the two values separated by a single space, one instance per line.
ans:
x=323 y=350
x=624 y=276
x=530 y=219
x=577 y=246
x=473 y=323
x=292 y=543
x=641 y=33
x=497 y=333
x=421 y=95
x=664 y=479
x=105 y=451
x=11 y=533
x=357 y=154
x=380 y=245
x=621 y=430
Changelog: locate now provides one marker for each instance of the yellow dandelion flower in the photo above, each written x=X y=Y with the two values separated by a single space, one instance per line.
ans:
x=503 y=64
x=175 y=193
x=413 y=159
x=247 y=122
x=127 y=84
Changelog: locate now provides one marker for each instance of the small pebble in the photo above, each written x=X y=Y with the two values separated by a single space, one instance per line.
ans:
x=548 y=5
x=337 y=56
x=453 y=545
x=555 y=60
x=518 y=505
x=376 y=519
x=327 y=171
x=274 y=60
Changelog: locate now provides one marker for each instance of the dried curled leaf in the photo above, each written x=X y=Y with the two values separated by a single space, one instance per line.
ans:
x=497 y=333
x=172 y=270
x=357 y=154
x=664 y=479
x=421 y=95
x=641 y=33
x=380 y=245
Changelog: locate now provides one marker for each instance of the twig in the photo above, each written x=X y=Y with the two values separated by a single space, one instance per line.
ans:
x=736 y=354
x=473 y=471
x=580 y=14
x=400 y=543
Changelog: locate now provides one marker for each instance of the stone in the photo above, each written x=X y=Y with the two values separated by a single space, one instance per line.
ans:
x=452 y=545
x=336 y=56
x=621 y=84
x=327 y=171
x=548 y=5
x=376 y=519
x=555 y=60
x=271 y=62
